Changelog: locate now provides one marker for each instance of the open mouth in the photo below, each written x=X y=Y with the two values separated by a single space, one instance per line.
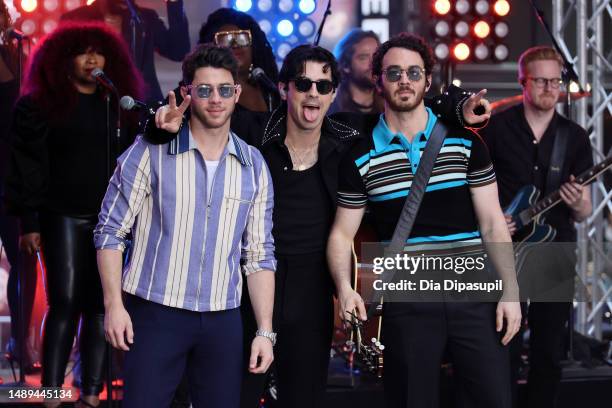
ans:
x=311 y=112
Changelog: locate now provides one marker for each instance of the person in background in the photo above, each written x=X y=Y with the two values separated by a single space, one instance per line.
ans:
x=152 y=34
x=356 y=92
x=57 y=177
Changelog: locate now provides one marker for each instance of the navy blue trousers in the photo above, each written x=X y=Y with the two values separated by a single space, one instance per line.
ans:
x=169 y=341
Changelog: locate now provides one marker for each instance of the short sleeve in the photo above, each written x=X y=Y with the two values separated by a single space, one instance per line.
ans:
x=480 y=168
x=351 y=187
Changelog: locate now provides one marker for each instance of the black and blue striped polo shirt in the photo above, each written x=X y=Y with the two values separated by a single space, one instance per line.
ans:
x=378 y=172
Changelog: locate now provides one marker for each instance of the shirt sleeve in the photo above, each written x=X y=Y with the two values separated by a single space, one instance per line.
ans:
x=124 y=198
x=352 y=191
x=257 y=240
x=480 y=168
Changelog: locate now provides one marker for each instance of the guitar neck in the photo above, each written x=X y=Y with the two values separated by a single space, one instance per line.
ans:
x=554 y=198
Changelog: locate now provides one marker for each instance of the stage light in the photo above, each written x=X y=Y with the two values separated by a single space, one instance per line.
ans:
x=29 y=5
x=306 y=28
x=482 y=7
x=72 y=4
x=243 y=5
x=501 y=29
x=574 y=87
x=285 y=5
x=307 y=6
x=441 y=51
x=462 y=29
x=28 y=26
x=462 y=7
x=283 y=50
x=481 y=52
x=284 y=28
x=49 y=25
x=501 y=52
x=501 y=7
x=482 y=29
x=50 y=5
x=90 y=2
x=442 y=28
x=457 y=82
x=461 y=51
x=442 y=7
x=265 y=26
x=264 y=5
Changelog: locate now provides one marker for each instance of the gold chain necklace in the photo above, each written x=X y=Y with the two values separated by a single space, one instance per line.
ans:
x=301 y=166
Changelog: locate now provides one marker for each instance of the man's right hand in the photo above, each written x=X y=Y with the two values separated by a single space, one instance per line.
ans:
x=169 y=117
x=511 y=224
x=350 y=301
x=118 y=327
x=30 y=242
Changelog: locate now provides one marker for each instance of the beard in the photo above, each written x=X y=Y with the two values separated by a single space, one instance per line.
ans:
x=209 y=122
x=401 y=103
x=362 y=82
x=545 y=102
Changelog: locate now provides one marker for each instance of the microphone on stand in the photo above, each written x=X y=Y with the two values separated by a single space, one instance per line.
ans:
x=262 y=79
x=103 y=80
x=128 y=103
x=12 y=32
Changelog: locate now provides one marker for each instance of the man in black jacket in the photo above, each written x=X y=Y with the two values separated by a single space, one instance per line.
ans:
x=151 y=34
x=303 y=148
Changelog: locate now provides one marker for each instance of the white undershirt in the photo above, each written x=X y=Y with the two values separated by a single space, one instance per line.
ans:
x=211 y=169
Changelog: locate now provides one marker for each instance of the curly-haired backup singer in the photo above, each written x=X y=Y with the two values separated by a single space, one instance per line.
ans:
x=56 y=181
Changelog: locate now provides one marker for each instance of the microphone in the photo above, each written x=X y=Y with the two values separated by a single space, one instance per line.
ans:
x=260 y=76
x=15 y=33
x=103 y=80
x=128 y=103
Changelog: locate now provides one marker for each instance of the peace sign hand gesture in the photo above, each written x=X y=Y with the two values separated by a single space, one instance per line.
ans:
x=169 y=117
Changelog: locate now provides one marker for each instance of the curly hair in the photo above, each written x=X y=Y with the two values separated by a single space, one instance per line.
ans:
x=263 y=57
x=208 y=55
x=295 y=61
x=47 y=78
x=408 y=41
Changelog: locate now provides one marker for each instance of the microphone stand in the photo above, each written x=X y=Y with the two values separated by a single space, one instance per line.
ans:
x=325 y=15
x=569 y=75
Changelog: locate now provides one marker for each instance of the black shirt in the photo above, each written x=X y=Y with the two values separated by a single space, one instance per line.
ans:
x=59 y=167
x=520 y=160
x=302 y=209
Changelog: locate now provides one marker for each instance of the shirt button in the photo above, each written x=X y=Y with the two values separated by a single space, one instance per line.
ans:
x=535 y=141
x=535 y=167
x=285 y=168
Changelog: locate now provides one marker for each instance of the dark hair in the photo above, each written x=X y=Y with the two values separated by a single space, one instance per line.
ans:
x=208 y=55
x=294 y=63
x=345 y=49
x=47 y=77
x=263 y=57
x=408 y=41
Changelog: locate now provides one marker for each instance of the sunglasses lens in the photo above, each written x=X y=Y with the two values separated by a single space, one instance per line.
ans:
x=203 y=92
x=394 y=74
x=224 y=40
x=303 y=84
x=226 y=91
x=414 y=74
x=324 y=87
x=243 y=39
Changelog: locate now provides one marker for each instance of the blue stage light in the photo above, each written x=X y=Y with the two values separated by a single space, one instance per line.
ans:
x=307 y=6
x=284 y=28
x=243 y=5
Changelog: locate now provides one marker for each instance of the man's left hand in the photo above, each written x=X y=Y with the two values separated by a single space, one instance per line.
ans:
x=511 y=313
x=261 y=355
x=571 y=193
x=474 y=102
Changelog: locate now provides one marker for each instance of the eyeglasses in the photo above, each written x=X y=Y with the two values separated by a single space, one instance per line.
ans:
x=303 y=84
x=234 y=39
x=554 y=83
x=205 y=91
x=394 y=74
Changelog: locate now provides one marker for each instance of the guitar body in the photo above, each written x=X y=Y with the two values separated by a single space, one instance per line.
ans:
x=528 y=230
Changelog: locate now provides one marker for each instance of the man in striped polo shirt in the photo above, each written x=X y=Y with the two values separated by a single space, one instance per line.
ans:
x=200 y=212
x=460 y=204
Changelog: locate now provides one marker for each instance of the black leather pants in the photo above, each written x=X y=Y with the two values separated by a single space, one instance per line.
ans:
x=73 y=290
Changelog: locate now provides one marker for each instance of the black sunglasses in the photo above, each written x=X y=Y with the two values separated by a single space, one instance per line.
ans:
x=303 y=84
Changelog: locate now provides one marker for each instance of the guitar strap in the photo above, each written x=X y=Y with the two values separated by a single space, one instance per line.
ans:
x=553 y=176
x=413 y=202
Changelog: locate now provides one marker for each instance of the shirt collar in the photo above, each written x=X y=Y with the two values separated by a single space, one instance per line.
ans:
x=184 y=142
x=383 y=136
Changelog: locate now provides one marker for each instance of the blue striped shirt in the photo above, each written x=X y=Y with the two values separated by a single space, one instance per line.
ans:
x=189 y=250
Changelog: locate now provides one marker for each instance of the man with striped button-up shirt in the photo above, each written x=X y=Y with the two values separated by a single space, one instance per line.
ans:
x=200 y=211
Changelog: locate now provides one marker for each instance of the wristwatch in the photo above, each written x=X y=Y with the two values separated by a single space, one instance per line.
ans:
x=268 y=335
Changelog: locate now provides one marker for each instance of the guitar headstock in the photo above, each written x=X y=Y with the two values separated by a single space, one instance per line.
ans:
x=369 y=355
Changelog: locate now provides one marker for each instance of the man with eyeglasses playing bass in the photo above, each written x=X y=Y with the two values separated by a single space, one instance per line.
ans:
x=522 y=142
x=303 y=148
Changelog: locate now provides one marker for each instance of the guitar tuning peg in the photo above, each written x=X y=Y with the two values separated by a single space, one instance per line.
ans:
x=378 y=344
x=381 y=347
x=374 y=340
